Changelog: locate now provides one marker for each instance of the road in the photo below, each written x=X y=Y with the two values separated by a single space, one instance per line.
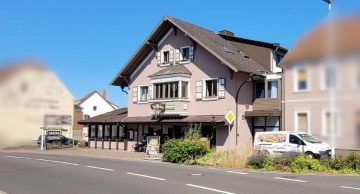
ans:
x=22 y=173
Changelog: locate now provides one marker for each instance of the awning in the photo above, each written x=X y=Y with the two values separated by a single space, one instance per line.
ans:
x=263 y=113
x=183 y=119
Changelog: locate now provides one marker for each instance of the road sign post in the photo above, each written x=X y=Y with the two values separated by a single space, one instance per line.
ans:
x=230 y=117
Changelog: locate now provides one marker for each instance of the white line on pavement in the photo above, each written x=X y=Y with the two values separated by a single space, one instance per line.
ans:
x=210 y=189
x=350 y=188
x=54 y=161
x=236 y=172
x=146 y=176
x=107 y=169
x=18 y=157
x=295 y=180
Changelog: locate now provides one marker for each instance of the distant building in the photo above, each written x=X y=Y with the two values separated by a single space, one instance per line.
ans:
x=322 y=83
x=91 y=105
x=31 y=96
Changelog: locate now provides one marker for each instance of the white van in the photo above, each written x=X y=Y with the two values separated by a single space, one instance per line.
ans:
x=280 y=142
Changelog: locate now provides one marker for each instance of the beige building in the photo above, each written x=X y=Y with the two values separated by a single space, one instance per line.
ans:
x=29 y=93
x=322 y=83
x=184 y=74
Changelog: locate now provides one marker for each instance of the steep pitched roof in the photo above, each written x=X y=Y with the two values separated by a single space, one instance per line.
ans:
x=87 y=96
x=9 y=70
x=315 y=43
x=227 y=53
x=176 y=69
x=257 y=50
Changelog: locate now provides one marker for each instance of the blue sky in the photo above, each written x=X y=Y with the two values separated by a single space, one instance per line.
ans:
x=87 y=42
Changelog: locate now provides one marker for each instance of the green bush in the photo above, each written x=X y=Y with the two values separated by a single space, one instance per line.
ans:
x=353 y=161
x=338 y=163
x=182 y=151
x=256 y=161
x=305 y=164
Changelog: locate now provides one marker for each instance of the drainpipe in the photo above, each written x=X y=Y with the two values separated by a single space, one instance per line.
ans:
x=236 y=106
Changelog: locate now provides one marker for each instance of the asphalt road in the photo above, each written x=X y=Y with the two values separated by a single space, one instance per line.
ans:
x=22 y=173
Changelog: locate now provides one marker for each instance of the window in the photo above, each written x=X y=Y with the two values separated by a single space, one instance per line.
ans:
x=107 y=132
x=166 y=58
x=113 y=131
x=260 y=90
x=278 y=58
x=266 y=124
x=144 y=91
x=301 y=79
x=94 y=108
x=295 y=140
x=185 y=53
x=329 y=77
x=92 y=131
x=184 y=89
x=166 y=90
x=211 y=89
x=302 y=121
x=327 y=123
x=99 y=135
x=86 y=116
x=272 y=89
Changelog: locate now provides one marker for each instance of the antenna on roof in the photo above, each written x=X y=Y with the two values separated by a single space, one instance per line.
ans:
x=329 y=3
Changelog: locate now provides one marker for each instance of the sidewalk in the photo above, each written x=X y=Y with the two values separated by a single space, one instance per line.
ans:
x=88 y=152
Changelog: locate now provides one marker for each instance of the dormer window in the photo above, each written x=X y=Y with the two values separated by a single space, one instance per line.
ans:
x=166 y=57
x=185 y=53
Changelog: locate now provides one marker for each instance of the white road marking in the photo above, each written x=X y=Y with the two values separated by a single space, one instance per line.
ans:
x=18 y=157
x=146 y=176
x=107 y=169
x=345 y=187
x=295 y=180
x=210 y=189
x=236 y=172
x=54 y=161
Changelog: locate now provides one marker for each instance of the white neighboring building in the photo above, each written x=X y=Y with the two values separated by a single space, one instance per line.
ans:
x=94 y=104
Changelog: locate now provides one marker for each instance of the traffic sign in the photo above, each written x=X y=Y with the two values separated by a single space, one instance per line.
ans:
x=230 y=117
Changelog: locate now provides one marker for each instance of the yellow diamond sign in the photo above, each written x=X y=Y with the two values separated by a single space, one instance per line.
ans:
x=230 y=117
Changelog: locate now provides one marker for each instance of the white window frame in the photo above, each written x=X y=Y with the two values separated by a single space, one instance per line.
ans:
x=323 y=78
x=163 y=63
x=296 y=119
x=182 y=60
x=139 y=95
x=188 y=90
x=296 y=69
x=204 y=90
x=323 y=123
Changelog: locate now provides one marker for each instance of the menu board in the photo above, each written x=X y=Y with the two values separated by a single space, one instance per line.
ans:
x=153 y=145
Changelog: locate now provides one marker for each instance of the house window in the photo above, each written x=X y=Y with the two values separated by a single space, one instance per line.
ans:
x=114 y=131
x=329 y=77
x=327 y=123
x=92 y=131
x=166 y=57
x=260 y=90
x=94 y=108
x=86 y=116
x=262 y=124
x=185 y=53
x=144 y=90
x=272 y=89
x=166 y=90
x=302 y=121
x=184 y=89
x=211 y=88
x=278 y=58
x=100 y=129
x=301 y=82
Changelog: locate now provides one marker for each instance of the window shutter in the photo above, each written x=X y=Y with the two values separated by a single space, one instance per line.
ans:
x=177 y=55
x=171 y=56
x=135 y=94
x=221 y=82
x=191 y=53
x=158 y=57
x=199 y=90
x=150 y=93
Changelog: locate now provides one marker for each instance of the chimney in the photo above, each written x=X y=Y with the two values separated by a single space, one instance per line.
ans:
x=104 y=93
x=226 y=33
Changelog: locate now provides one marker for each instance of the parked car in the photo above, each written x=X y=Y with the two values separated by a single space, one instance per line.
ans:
x=281 y=142
x=52 y=139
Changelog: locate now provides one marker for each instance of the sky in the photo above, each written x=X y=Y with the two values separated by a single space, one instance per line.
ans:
x=86 y=42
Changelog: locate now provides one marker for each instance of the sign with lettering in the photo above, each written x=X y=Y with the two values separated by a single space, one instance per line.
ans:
x=170 y=106
x=153 y=145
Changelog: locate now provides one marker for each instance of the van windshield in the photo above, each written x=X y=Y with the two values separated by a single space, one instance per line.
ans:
x=309 y=138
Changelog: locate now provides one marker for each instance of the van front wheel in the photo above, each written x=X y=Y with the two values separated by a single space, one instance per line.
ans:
x=309 y=155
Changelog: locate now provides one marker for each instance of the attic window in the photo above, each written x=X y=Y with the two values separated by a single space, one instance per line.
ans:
x=224 y=48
